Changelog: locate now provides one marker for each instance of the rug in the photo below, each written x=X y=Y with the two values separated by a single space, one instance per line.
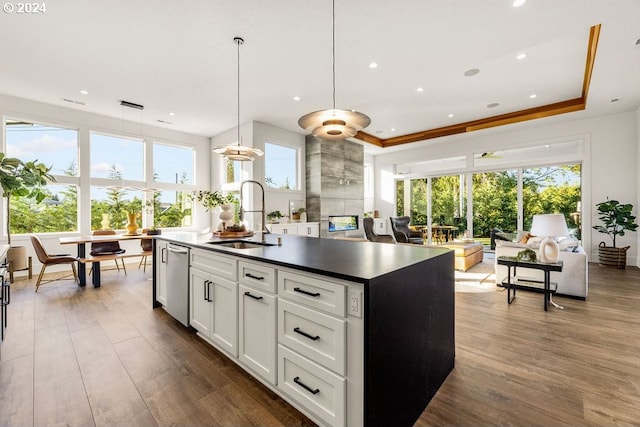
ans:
x=479 y=278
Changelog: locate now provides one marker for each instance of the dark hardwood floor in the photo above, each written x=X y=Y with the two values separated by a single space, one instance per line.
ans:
x=83 y=357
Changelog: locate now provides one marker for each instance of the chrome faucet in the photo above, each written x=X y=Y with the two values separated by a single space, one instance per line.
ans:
x=242 y=210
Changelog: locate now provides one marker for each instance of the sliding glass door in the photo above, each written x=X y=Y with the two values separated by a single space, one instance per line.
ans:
x=495 y=203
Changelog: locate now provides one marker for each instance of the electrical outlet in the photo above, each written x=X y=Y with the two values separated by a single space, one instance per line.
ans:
x=355 y=303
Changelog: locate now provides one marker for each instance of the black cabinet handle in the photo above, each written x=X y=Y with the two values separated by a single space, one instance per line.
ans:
x=207 y=290
x=303 y=333
x=162 y=259
x=254 y=277
x=204 y=287
x=311 y=294
x=306 y=387
x=252 y=296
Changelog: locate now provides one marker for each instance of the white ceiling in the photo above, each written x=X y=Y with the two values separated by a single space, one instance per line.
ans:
x=180 y=57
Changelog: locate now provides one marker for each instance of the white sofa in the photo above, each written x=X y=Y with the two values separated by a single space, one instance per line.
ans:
x=572 y=281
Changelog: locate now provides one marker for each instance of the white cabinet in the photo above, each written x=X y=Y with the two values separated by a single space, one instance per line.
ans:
x=380 y=226
x=257 y=304
x=213 y=300
x=320 y=347
x=309 y=229
x=161 y=272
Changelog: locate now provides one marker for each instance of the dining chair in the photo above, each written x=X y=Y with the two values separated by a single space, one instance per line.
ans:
x=51 y=259
x=147 y=250
x=107 y=248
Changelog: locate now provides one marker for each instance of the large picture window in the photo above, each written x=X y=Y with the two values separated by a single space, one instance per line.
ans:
x=56 y=147
x=281 y=167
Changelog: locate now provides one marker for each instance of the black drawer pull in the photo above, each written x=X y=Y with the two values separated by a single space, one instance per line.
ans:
x=311 y=294
x=306 y=387
x=254 y=277
x=303 y=333
x=252 y=296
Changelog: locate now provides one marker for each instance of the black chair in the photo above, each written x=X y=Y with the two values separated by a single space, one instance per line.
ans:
x=370 y=234
x=402 y=232
x=107 y=248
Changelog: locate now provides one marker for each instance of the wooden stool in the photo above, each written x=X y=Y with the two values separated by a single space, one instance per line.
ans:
x=29 y=266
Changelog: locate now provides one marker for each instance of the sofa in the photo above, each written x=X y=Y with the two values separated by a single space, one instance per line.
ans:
x=572 y=281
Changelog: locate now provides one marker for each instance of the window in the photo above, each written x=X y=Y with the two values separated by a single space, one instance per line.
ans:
x=172 y=164
x=111 y=154
x=109 y=207
x=56 y=147
x=281 y=167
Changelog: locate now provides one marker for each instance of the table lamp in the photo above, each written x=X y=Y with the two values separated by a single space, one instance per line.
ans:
x=549 y=226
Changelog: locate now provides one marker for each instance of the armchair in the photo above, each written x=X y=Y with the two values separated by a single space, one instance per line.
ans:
x=402 y=232
x=371 y=235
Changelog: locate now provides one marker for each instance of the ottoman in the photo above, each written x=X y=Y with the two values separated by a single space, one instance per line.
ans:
x=467 y=254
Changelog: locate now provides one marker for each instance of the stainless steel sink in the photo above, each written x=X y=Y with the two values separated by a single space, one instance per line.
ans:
x=240 y=244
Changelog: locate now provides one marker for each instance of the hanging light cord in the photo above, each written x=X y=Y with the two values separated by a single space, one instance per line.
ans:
x=333 y=43
x=239 y=42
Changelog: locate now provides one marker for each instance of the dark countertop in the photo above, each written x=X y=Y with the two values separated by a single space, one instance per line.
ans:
x=357 y=261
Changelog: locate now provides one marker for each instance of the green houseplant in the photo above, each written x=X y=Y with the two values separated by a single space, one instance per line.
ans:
x=211 y=199
x=21 y=179
x=617 y=218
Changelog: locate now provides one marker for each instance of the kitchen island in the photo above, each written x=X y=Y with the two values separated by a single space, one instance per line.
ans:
x=350 y=333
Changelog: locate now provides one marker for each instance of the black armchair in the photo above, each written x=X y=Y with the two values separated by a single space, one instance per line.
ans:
x=402 y=232
x=371 y=235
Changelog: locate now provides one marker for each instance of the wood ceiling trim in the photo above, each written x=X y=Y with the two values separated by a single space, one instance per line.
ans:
x=548 y=110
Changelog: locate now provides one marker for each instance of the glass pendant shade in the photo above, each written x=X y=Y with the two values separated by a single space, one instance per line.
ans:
x=236 y=151
x=334 y=124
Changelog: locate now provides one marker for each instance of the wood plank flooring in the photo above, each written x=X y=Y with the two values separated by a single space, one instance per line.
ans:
x=103 y=357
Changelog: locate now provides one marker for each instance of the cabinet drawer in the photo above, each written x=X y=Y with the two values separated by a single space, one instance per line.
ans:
x=259 y=276
x=320 y=337
x=218 y=265
x=314 y=292
x=320 y=391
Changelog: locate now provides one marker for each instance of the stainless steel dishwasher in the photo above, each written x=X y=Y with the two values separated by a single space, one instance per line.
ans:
x=178 y=282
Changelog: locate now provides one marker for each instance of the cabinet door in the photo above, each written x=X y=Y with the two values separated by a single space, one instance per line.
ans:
x=161 y=272
x=200 y=309
x=309 y=229
x=257 y=332
x=224 y=329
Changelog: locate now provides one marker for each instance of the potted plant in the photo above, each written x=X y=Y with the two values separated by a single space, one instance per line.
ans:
x=617 y=218
x=212 y=199
x=274 y=216
x=21 y=179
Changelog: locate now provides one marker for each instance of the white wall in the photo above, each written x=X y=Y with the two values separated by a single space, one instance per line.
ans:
x=84 y=122
x=610 y=168
x=255 y=134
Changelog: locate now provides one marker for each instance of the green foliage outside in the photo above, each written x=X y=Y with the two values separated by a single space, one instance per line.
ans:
x=58 y=212
x=495 y=198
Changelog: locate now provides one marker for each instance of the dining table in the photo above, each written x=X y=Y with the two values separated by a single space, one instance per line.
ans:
x=81 y=242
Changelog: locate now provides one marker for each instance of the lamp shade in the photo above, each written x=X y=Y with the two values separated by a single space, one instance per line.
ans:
x=549 y=225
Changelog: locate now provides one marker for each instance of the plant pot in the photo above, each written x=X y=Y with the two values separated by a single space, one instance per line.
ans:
x=17 y=258
x=612 y=257
x=154 y=232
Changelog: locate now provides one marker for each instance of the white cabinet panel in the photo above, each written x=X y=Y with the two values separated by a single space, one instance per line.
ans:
x=161 y=272
x=313 y=291
x=260 y=276
x=257 y=331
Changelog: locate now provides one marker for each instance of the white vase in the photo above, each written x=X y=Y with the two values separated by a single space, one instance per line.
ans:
x=225 y=214
x=303 y=217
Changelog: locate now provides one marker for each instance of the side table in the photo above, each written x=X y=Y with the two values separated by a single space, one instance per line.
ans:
x=514 y=282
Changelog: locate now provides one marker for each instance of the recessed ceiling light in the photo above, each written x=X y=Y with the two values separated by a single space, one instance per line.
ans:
x=373 y=65
x=393 y=129
x=492 y=105
x=296 y=98
x=171 y=113
x=533 y=95
x=450 y=115
x=84 y=92
x=419 y=89
x=518 y=3
x=379 y=132
x=521 y=55
x=471 y=72
x=615 y=99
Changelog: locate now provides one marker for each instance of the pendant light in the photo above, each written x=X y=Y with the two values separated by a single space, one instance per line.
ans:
x=334 y=124
x=237 y=151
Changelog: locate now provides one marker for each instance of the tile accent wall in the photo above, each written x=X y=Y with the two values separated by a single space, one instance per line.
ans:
x=335 y=182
